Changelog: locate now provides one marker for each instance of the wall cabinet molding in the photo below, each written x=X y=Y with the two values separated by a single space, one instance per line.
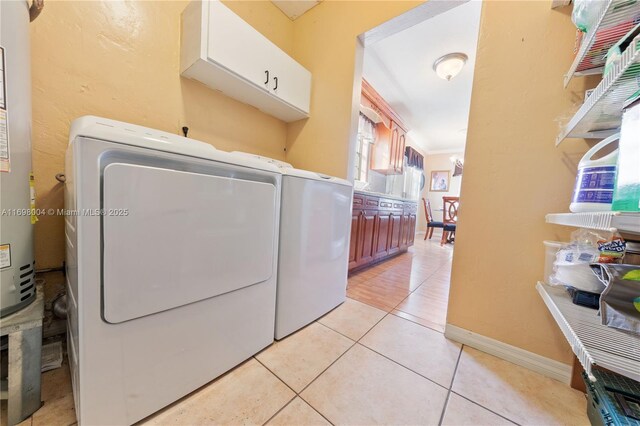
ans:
x=221 y=50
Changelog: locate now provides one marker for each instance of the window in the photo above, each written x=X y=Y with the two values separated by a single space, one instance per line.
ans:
x=366 y=137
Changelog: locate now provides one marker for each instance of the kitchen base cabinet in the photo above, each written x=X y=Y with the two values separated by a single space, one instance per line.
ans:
x=380 y=228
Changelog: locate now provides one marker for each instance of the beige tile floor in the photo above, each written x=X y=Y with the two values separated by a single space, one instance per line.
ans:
x=361 y=365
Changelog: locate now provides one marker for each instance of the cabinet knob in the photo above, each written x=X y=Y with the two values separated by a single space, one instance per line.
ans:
x=267 y=80
x=275 y=79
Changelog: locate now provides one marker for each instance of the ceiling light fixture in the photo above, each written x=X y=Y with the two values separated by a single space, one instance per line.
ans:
x=449 y=65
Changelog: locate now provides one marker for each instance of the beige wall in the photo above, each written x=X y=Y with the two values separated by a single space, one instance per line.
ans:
x=120 y=60
x=325 y=43
x=438 y=162
x=514 y=175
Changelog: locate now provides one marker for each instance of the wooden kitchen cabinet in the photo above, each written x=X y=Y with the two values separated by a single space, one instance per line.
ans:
x=387 y=154
x=380 y=228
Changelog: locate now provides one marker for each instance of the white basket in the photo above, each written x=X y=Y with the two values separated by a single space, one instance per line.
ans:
x=578 y=275
x=551 y=249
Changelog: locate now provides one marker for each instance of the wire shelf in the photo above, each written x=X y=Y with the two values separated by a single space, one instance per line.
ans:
x=601 y=114
x=615 y=19
x=592 y=342
x=603 y=221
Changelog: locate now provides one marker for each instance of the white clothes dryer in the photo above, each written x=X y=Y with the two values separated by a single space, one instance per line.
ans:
x=171 y=266
x=315 y=220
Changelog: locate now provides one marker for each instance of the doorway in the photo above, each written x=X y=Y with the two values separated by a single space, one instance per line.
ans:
x=414 y=78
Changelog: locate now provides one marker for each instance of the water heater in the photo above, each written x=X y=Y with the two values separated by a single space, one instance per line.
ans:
x=17 y=266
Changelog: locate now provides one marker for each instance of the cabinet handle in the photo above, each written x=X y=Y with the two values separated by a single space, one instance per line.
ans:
x=276 y=81
x=267 y=73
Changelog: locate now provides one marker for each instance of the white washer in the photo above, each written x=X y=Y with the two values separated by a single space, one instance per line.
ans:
x=315 y=219
x=171 y=266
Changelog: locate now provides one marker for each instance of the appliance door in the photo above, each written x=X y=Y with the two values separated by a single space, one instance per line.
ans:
x=413 y=182
x=314 y=248
x=171 y=238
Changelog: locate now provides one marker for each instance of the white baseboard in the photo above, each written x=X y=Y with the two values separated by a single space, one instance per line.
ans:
x=545 y=366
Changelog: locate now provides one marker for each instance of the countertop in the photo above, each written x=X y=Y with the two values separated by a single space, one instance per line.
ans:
x=381 y=195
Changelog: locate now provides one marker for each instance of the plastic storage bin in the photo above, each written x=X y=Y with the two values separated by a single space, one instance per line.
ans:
x=612 y=399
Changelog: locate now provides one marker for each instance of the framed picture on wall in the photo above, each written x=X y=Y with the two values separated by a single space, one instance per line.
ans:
x=439 y=181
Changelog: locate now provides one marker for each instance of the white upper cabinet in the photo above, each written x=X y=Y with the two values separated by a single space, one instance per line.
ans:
x=224 y=52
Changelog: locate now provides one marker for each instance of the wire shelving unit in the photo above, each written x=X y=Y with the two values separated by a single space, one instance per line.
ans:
x=605 y=221
x=615 y=19
x=601 y=114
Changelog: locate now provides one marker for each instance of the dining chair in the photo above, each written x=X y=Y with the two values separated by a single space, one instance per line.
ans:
x=430 y=222
x=449 y=218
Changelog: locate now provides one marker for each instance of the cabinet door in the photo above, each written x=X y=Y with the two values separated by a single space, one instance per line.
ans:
x=412 y=229
x=353 y=241
x=395 y=142
x=405 y=225
x=395 y=232
x=388 y=152
x=400 y=155
x=290 y=81
x=383 y=225
x=381 y=152
x=237 y=46
x=366 y=237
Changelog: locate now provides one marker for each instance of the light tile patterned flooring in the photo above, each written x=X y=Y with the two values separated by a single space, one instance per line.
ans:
x=380 y=359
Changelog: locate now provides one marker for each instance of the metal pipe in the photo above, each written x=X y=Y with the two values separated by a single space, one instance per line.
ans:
x=60 y=307
x=35 y=9
x=56 y=269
